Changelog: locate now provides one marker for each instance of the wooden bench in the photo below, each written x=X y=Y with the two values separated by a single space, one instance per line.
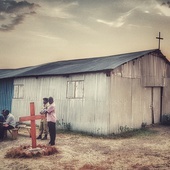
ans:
x=23 y=126
x=13 y=132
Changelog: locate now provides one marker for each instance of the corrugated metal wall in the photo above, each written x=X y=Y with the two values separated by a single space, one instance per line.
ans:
x=136 y=93
x=101 y=104
x=89 y=113
x=6 y=94
x=131 y=104
x=166 y=97
x=153 y=71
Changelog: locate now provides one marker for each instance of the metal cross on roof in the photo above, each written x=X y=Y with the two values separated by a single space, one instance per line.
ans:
x=159 y=38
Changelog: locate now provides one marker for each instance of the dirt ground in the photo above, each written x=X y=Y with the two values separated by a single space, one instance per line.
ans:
x=79 y=152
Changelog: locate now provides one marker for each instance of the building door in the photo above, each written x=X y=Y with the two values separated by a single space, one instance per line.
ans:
x=156 y=104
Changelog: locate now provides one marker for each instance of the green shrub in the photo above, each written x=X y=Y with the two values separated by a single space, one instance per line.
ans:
x=63 y=125
x=125 y=129
x=166 y=119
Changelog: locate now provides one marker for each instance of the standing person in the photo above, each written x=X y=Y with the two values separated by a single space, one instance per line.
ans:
x=51 y=120
x=8 y=124
x=43 y=129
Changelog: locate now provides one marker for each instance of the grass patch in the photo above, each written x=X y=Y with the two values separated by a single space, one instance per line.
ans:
x=135 y=133
x=128 y=134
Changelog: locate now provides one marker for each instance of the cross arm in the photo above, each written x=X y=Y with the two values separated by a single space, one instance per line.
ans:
x=28 y=118
x=159 y=38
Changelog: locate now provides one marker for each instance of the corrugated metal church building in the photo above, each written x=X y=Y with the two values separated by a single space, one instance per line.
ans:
x=95 y=95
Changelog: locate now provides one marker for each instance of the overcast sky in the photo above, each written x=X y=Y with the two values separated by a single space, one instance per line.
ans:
x=33 y=32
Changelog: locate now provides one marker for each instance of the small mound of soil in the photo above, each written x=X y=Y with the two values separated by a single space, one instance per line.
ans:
x=26 y=151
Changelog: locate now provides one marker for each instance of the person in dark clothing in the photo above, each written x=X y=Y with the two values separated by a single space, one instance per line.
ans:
x=2 y=118
x=43 y=128
x=8 y=124
x=51 y=120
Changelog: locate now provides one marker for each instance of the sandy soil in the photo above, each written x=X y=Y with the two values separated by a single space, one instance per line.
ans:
x=80 y=152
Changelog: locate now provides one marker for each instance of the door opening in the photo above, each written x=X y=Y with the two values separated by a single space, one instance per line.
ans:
x=152 y=110
x=161 y=100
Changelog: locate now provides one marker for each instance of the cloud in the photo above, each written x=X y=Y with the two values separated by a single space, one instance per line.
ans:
x=111 y=24
x=167 y=4
x=58 y=9
x=134 y=15
x=163 y=7
x=13 y=13
x=119 y=22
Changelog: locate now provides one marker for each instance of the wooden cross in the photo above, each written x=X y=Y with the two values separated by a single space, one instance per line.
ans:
x=159 y=38
x=32 y=118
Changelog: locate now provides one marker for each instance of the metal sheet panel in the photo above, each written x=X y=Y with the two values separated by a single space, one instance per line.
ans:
x=88 y=65
x=121 y=104
x=153 y=71
x=141 y=102
x=6 y=94
x=130 y=104
x=131 y=69
x=166 y=97
x=89 y=114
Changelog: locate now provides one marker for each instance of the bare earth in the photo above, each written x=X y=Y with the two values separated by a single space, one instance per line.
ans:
x=80 y=152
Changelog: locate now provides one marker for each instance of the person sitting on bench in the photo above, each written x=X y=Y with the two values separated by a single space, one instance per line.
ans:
x=2 y=118
x=8 y=124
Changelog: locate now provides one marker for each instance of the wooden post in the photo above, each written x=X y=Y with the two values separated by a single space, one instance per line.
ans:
x=33 y=126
